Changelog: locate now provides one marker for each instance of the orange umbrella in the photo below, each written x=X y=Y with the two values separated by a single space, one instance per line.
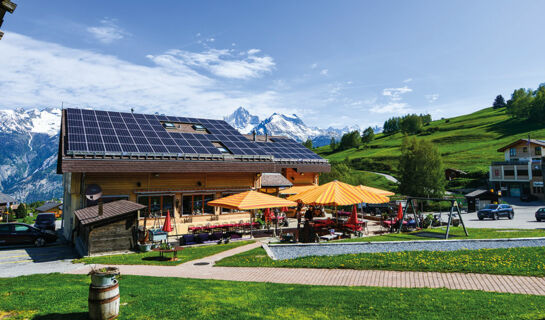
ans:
x=167 y=227
x=376 y=190
x=336 y=193
x=251 y=200
x=298 y=189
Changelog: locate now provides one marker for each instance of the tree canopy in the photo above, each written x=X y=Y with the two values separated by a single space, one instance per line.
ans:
x=308 y=143
x=420 y=169
x=527 y=104
x=499 y=102
x=368 y=135
x=350 y=140
x=409 y=124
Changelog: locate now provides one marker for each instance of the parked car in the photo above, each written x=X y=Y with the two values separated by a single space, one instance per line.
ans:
x=527 y=197
x=20 y=233
x=540 y=214
x=495 y=211
x=45 y=221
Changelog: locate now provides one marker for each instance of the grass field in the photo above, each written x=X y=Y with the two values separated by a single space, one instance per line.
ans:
x=454 y=233
x=375 y=180
x=514 y=261
x=175 y=298
x=468 y=142
x=151 y=258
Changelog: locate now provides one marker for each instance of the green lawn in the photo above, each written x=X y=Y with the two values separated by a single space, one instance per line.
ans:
x=151 y=258
x=455 y=233
x=376 y=181
x=514 y=261
x=65 y=297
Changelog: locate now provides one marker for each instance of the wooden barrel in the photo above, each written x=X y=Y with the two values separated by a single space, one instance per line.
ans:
x=104 y=302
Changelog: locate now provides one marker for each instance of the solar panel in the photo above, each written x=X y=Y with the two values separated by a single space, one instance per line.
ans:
x=90 y=131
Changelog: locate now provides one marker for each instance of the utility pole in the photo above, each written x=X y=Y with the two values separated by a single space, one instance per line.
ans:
x=5 y=5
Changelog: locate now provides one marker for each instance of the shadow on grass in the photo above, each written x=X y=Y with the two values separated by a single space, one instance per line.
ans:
x=62 y=316
x=156 y=258
x=435 y=235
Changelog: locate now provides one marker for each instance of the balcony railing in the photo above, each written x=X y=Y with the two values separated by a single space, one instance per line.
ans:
x=510 y=163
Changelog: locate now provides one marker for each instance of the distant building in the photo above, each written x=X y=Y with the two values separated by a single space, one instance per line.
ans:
x=522 y=170
x=54 y=207
x=451 y=173
x=479 y=199
x=5 y=201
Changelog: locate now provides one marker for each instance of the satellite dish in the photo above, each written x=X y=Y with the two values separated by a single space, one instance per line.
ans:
x=93 y=192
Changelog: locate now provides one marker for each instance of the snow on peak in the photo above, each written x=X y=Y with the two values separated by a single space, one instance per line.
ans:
x=45 y=121
x=242 y=120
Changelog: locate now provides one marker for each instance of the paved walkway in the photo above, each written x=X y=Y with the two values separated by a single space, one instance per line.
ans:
x=337 y=277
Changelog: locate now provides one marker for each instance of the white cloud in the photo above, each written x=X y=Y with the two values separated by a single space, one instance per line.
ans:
x=218 y=62
x=44 y=74
x=324 y=72
x=108 y=31
x=392 y=108
x=314 y=66
x=395 y=93
x=407 y=80
x=432 y=97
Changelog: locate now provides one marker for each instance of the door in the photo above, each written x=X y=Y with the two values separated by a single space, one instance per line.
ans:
x=5 y=230
x=22 y=234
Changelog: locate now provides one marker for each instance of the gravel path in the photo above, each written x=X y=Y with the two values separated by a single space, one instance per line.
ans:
x=292 y=251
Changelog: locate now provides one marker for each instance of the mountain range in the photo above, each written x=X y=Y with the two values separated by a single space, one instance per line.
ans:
x=29 y=140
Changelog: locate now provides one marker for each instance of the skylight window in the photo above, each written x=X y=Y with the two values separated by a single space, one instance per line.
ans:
x=221 y=148
x=169 y=125
x=199 y=127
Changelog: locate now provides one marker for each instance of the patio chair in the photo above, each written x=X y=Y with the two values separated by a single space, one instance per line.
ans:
x=188 y=239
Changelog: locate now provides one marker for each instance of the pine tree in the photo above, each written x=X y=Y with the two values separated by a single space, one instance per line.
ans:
x=368 y=135
x=499 y=102
x=308 y=143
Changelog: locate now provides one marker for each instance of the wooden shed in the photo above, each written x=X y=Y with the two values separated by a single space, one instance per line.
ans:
x=113 y=229
x=479 y=198
x=54 y=207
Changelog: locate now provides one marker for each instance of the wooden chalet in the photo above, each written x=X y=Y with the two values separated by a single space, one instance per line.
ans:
x=171 y=164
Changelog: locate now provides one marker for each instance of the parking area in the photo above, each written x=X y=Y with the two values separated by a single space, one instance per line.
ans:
x=524 y=217
x=31 y=260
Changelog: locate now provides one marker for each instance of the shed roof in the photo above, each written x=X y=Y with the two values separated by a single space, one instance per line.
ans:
x=110 y=210
x=274 y=180
x=4 y=198
x=48 y=206
x=477 y=193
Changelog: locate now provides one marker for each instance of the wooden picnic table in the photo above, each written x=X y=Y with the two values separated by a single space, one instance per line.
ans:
x=173 y=250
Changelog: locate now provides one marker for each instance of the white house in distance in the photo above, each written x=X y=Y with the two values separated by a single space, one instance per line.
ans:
x=521 y=173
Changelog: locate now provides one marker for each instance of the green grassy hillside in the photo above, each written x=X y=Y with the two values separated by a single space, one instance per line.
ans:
x=468 y=142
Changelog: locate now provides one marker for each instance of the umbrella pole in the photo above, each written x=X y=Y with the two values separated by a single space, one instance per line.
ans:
x=337 y=215
x=276 y=224
x=252 y=224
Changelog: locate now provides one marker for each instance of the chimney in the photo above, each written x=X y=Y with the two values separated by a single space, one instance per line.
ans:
x=253 y=134
x=100 y=207
x=266 y=137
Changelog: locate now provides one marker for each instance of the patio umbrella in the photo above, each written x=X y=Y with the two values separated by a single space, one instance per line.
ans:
x=267 y=214
x=400 y=211
x=297 y=189
x=354 y=216
x=167 y=227
x=376 y=190
x=251 y=200
x=336 y=193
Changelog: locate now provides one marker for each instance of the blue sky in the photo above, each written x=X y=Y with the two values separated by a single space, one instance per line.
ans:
x=333 y=63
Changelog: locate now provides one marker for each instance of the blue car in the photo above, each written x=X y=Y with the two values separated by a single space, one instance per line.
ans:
x=495 y=211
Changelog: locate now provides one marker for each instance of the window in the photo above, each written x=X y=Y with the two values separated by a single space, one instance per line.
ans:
x=4 y=228
x=512 y=152
x=538 y=190
x=223 y=149
x=21 y=228
x=522 y=172
x=158 y=204
x=197 y=204
x=524 y=149
x=538 y=151
x=199 y=127
x=169 y=125
x=536 y=173
x=509 y=172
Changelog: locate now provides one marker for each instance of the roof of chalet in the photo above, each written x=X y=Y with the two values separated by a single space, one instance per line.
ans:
x=113 y=141
x=109 y=210
x=519 y=141
x=274 y=180
x=48 y=206
x=4 y=198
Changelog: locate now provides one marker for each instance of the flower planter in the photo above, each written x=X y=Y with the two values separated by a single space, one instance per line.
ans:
x=144 y=247
x=103 y=277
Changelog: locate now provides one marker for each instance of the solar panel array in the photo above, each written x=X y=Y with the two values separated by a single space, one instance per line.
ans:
x=107 y=132
x=286 y=148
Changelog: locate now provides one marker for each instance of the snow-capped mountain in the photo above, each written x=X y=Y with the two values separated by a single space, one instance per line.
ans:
x=242 y=120
x=29 y=142
x=285 y=125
